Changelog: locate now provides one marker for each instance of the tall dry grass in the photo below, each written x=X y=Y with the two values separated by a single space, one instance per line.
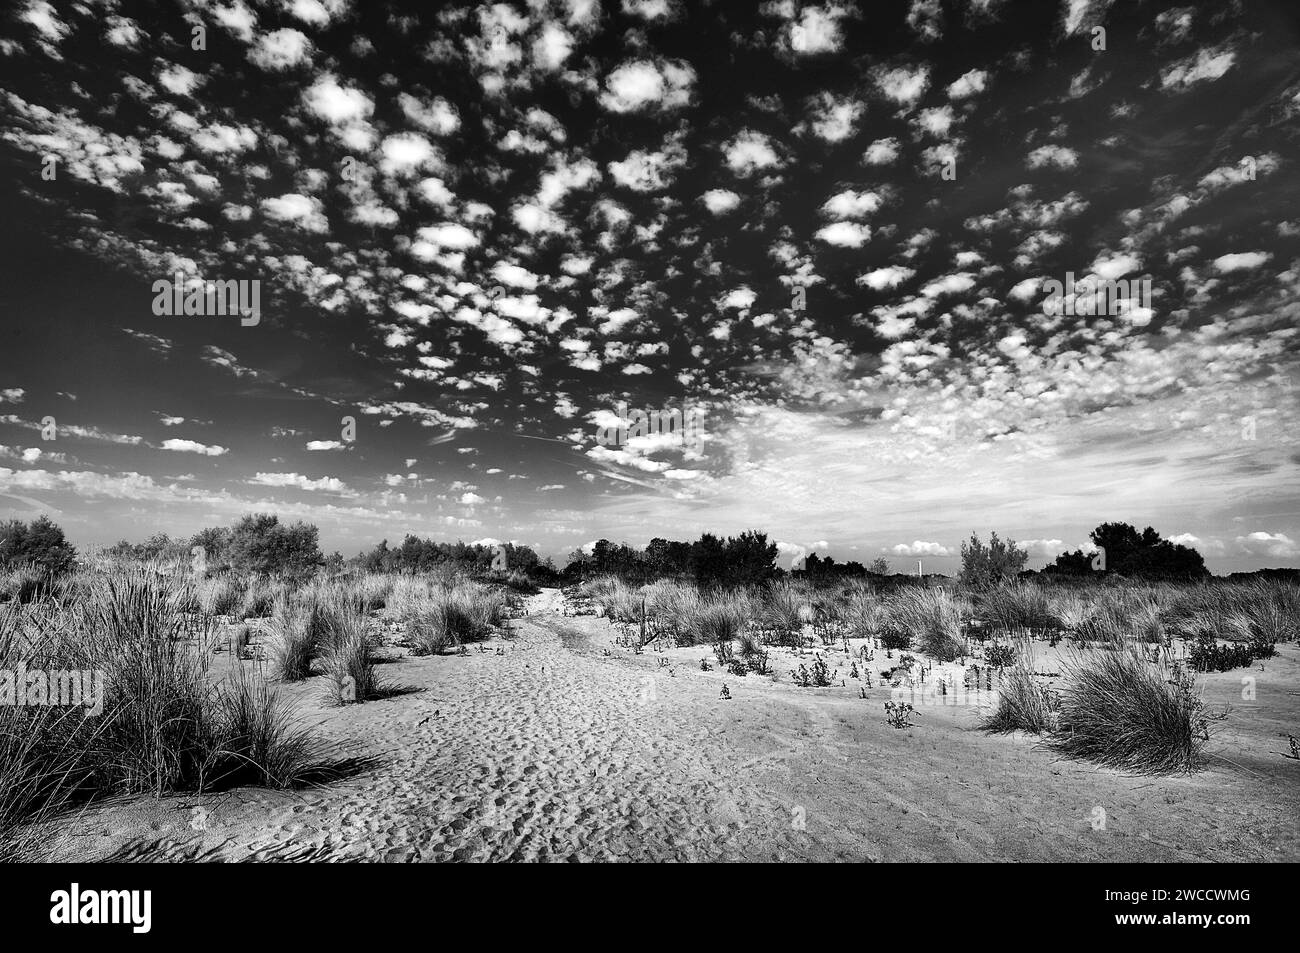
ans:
x=930 y=619
x=1121 y=710
x=166 y=724
x=451 y=613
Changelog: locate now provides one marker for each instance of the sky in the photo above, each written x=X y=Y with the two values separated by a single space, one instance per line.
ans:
x=824 y=233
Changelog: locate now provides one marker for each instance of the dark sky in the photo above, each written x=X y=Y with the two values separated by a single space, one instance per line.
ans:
x=823 y=230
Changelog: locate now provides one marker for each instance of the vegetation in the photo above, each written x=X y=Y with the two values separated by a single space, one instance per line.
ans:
x=167 y=723
x=984 y=565
x=1123 y=551
x=39 y=544
x=1121 y=710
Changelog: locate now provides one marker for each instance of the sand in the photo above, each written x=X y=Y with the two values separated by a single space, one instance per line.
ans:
x=570 y=747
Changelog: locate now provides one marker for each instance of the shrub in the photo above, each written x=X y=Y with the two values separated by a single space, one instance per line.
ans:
x=1123 y=613
x=1071 y=611
x=862 y=612
x=1023 y=704
x=259 y=742
x=164 y=727
x=294 y=631
x=220 y=595
x=25 y=583
x=930 y=618
x=674 y=606
x=1017 y=606
x=1120 y=710
x=40 y=543
x=375 y=589
x=1000 y=656
x=451 y=616
x=261 y=544
x=983 y=566
x=259 y=599
x=349 y=660
x=787 y=605
x=1206 y=655
x=896 y=639
x=719 y=618
x=752 y=653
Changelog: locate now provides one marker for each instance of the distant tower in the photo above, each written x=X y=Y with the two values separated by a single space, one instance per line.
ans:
x=919 y=574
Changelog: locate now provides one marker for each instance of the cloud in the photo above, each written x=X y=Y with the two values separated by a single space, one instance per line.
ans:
x=1241 y=261
x=297 y=480
x=902 y=85
x=436 y=115
x=720 y=201
x=1060 y=157
x=817 y=31
x=305 y=211
x=891 y=276
x=845 y=234
x=750 y=151
x=1204 y=66
x=921 y=548
x=193 y=446
x=1276 y=545
x=644 y=84
x=968 y=84
x=281 y=50
x=407 y=153
x=881 y=152
x=341 y=105
x=851 y=204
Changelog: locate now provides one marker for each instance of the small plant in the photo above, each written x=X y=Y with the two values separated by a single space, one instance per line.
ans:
x=899 y=715
x=1000 y=656
x=1207 y=655
x=725 y=693
x=705 y=666
x=895 y=639
x=737 y=667
x=821 y=675
x=722 y=652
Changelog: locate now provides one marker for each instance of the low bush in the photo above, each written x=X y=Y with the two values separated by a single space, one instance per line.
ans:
x=1121 y=710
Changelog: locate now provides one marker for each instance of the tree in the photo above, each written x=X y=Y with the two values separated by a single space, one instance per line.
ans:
x=40 y=542
x=709 y=561
x=879 y=566
x=750 y=559
x=983 y=566
x=261 y=544
x=1126 y=552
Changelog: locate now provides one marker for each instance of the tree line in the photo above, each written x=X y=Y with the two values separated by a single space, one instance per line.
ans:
x=260 y=543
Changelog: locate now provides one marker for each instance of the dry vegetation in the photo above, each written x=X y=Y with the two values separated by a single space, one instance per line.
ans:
x=190 y=673
x=1128 y=698
x=193 y=664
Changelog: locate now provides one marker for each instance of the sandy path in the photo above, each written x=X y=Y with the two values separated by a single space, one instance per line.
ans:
x=545 y=753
